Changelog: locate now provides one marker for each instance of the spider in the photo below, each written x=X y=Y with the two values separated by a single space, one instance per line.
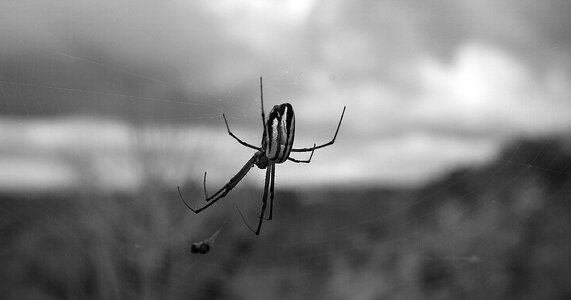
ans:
x=277 y=144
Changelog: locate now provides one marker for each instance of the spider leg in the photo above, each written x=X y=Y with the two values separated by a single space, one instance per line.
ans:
x=226 y=188
x=236 y=138
x=264 y=203
x=262 y=102
x=204 y=187
x=273 y=180
x=326 y=144
x=306 y=161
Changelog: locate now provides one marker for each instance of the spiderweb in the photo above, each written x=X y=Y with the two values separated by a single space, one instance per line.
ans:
x=93 y=150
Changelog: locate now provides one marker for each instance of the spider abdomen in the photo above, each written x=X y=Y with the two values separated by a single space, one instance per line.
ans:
x=280 y=128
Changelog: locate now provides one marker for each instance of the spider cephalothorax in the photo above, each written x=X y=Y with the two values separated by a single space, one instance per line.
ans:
x=277 y=145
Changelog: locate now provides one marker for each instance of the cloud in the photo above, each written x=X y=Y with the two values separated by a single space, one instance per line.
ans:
x=461 y=112
x=487 y=90
x=428 y=86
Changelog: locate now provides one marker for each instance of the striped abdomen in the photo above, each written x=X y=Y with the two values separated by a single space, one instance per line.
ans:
x=280 y=129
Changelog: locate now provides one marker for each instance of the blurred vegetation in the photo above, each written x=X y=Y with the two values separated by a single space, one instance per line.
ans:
x=496 y=232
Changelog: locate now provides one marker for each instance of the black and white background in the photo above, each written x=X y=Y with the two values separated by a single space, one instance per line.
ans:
x=450 y=176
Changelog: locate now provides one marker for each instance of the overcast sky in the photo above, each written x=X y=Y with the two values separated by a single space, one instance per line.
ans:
x=428 y=85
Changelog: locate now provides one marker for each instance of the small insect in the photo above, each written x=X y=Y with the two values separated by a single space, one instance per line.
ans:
x=277 y=144
x=203 y=246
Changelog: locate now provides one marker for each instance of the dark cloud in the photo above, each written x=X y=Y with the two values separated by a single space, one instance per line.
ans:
x=417 y=76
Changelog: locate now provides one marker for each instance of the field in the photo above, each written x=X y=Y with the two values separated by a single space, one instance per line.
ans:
x=498 y=232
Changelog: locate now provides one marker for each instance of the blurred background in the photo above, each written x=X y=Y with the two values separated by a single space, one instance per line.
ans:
x=449 y=178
